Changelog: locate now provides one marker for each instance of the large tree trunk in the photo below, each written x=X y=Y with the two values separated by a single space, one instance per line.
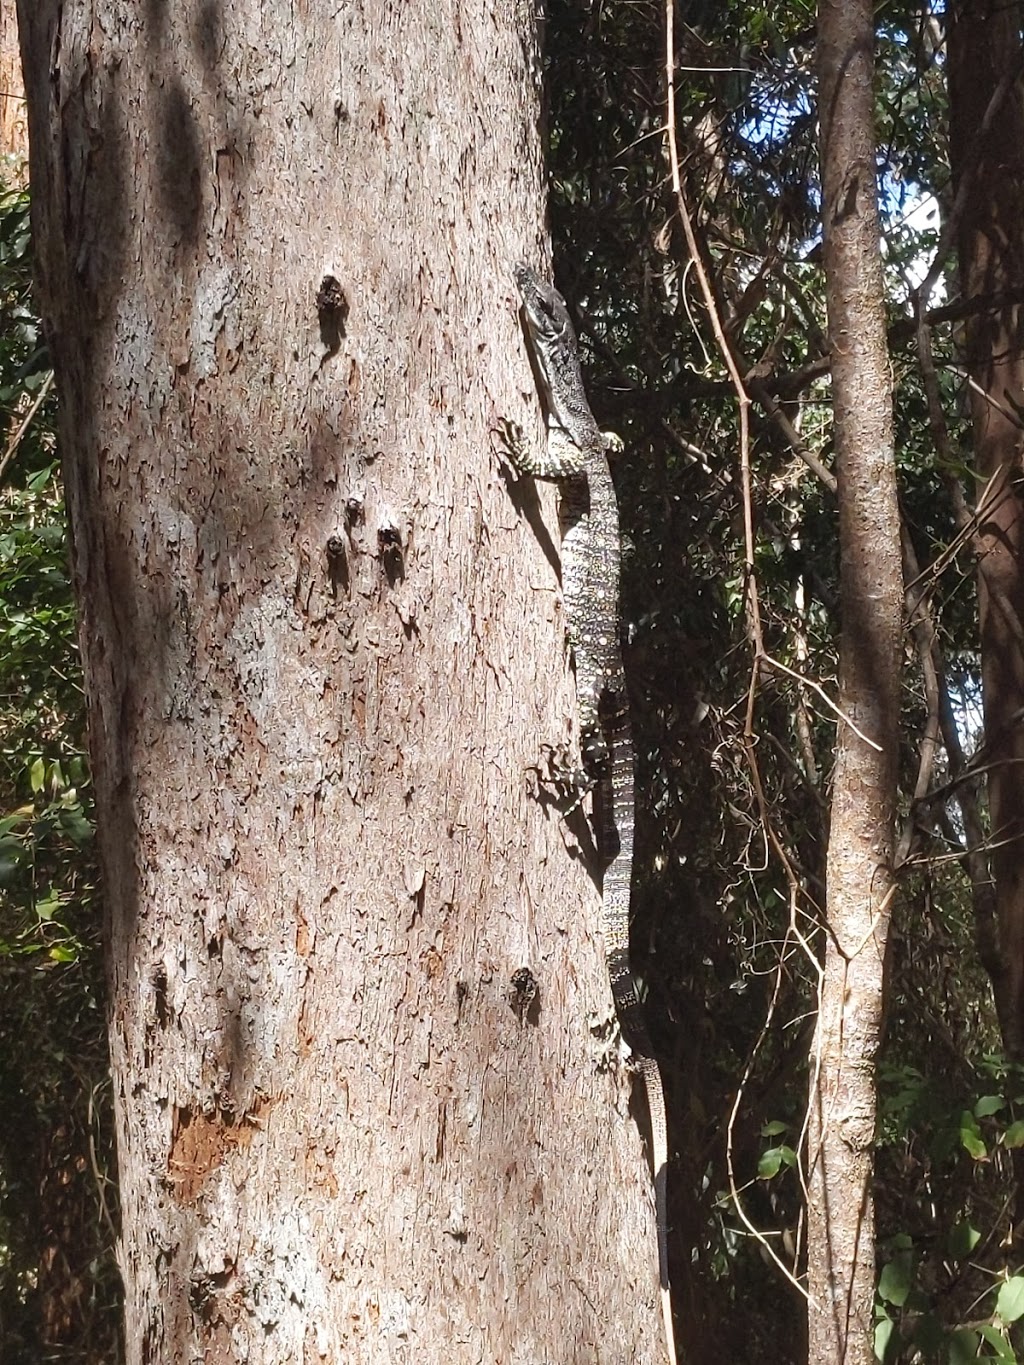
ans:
x=983 y=42
x=840 y=1251
x=322 y=650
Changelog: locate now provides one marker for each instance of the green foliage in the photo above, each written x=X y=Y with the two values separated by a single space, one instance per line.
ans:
x=910 y=1323
x=58 y=1281
x=733 y=972
x=46 y=829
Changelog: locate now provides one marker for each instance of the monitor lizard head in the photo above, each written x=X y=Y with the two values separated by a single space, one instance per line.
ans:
x=553 y=342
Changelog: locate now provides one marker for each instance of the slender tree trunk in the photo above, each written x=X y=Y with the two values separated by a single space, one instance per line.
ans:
x=984 y=47
x=362 y=1111
x=840 y=1252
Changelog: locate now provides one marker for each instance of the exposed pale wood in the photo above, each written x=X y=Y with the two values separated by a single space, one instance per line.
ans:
x=13 y=111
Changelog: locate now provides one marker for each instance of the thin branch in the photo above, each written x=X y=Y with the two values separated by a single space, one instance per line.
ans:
x=753 y=608
x=797 y=444
x=15 y=441
x=770 y=662
x=922 y=629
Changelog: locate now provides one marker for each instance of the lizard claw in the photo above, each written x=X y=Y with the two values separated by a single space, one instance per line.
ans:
x=511 y=441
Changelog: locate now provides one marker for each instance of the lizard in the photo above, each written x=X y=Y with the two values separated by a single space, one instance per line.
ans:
x=576 y=456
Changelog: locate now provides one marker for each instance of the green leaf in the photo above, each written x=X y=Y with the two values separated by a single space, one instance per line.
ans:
x=37 y=775
x=970 y=1136
x=1010 y=1299
x=1014 y=1135
x=1003 y=1349
x=774 y=1159
x=963 y=1346
x=962 y=1240
x=770 y=1163
x=48 y=906
x=774 y=1128
x=79 y=830
x=989 y=1104
x=887 y=1342
x=896 y=1279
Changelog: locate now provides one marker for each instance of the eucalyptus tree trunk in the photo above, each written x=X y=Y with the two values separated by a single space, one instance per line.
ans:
x=356 y=975
x=987 y=161
x=840 y=1245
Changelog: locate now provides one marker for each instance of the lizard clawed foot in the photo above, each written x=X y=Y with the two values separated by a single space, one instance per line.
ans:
x=511 y=441
x=613 y=1053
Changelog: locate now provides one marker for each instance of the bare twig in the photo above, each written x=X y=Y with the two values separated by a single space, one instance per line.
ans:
x=23 y=425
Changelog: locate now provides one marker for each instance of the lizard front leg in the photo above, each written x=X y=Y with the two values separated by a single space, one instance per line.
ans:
x=560 y=459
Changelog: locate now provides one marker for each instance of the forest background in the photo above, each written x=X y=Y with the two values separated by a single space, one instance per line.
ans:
x=732 y=711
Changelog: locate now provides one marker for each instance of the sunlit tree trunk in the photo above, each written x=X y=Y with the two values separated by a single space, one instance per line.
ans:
x=840 y=1250
x=13 y=114
x=356 y=975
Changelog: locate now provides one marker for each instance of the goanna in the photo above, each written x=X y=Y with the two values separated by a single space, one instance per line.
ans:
x=577 y=456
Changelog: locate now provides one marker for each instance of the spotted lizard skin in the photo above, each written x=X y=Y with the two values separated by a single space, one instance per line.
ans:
x=577 y=457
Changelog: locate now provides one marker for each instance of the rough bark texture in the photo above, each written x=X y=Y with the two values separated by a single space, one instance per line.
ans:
x=323 y=647
x=840 y=1252
x=984 y=47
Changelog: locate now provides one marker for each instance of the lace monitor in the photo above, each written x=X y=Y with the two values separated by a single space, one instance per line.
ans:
x=577 y=456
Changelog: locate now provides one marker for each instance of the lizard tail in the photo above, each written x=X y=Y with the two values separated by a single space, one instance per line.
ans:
x=659 y=1153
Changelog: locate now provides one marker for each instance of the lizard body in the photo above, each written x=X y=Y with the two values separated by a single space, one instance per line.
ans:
x=577 y=456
